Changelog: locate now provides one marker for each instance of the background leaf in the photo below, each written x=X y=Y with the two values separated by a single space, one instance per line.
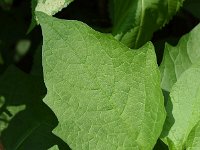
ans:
x=50 y=7
x=182 y=109
x=20 y=88
x=180 y=72
x=30 y=128
x=193 y=7
x=178 y=59
x=135 y=21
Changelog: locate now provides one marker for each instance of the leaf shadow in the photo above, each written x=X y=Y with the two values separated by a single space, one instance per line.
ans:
x=32 y=127
x=169 y=121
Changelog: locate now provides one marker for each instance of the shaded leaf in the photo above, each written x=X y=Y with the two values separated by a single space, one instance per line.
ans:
x=135 y=21
x=193 y=7
x=30 y=129
x=20 y=88
x=7 y=114
x=160 y=145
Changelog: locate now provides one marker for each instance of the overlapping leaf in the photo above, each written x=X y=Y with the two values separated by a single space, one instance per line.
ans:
x=183 y=109
x=136 y=20
x=105 y=95
x=180 y=71
x=178 y=59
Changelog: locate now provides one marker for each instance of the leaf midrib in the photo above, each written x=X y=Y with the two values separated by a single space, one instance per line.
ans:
x=141 y=24
x=28 y=133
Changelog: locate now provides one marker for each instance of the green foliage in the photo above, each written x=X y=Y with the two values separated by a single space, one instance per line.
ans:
x=135 y=21
x=178 y=59
x=180 y=71
x=66 y=85
x=183 y=115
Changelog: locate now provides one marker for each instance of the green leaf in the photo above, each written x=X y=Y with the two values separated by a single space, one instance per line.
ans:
x=5 y=118
x=180 y=71
x=135 y=21
x=31 y=129
x=193 y=142
x=183 y=111
x=178 y=59
x=105 y=95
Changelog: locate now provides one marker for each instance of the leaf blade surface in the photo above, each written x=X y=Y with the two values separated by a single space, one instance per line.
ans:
x=105 y=95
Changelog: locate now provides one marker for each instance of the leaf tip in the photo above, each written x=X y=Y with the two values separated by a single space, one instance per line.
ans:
x=41 y=16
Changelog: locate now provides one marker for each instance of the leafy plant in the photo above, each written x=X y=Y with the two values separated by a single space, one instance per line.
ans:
x=88 y=77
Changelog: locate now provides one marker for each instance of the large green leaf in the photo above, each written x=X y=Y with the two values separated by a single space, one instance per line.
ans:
x=178 y=59
x=105 y=95
x=183 y=109
x=135 y=20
